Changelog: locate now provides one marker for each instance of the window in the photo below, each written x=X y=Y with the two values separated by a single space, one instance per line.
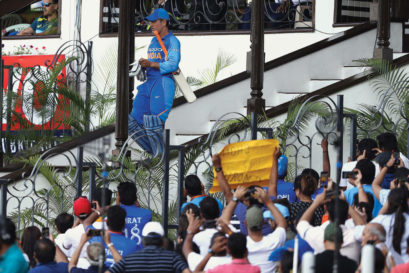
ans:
x=212 y=15
x=36 y=20
x=352 y=11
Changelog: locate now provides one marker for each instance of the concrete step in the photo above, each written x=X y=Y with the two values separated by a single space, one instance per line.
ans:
x=348 y=71
x=316 y=84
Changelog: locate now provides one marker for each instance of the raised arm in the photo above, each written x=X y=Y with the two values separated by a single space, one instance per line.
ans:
x=362 y=195
x=217 y=164
x=229 y=209
x=115 y=254
x=309 y=213
x=326 y=166
x=376 y=184
x=272 y=186
x=278 y=217
x=96 y=213
x=192 y=229
x=77 y=252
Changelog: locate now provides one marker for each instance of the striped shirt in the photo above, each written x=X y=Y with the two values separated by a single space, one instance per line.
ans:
x=150 y=259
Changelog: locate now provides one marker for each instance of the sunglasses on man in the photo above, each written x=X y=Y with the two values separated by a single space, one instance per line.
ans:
x=47 y=4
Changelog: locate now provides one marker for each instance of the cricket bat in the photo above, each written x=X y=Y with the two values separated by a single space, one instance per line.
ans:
x=178 y=75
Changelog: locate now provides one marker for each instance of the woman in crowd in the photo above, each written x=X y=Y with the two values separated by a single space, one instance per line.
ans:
x=395 y=221
x=28 y=239
x=304 y=187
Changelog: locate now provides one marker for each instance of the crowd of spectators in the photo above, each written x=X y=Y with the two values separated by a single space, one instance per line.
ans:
x=271 y=223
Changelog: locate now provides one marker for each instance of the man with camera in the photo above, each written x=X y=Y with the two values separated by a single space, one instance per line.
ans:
x=401 y=175
x=259 y=246
x=362 y=178
x=95 y=253
x=116 y=223
x=366 y=148
x=82 y=209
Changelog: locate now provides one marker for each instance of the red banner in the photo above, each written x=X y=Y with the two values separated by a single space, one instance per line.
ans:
x=28 y=102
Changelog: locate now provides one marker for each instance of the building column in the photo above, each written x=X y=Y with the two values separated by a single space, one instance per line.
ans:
x=255 y=60
x=382 y=50
x=122 y=92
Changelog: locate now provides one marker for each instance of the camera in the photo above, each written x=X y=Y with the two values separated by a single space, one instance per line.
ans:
x=93 y=205
x=251 y=193
x=94 y=232
x=45 y=232
x=349 y=175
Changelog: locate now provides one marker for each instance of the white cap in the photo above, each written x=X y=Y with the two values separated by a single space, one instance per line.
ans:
x=155 y=227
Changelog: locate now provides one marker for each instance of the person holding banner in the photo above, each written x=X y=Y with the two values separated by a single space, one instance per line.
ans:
x=154 y=99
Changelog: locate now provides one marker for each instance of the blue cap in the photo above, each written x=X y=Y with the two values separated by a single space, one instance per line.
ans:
x=283 y=210
x=158 y=14
x=282 y=165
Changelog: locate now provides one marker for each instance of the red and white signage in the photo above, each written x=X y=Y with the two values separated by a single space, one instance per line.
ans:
x=29 y=105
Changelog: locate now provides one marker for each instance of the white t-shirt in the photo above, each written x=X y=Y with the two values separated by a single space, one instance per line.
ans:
x=260 y=251
x=387 y=221
x=71 y=242
x=193 y=259
x=315 y=238
x=59 y=240
x=202 y=239
x=383 y=196
x=348 y=167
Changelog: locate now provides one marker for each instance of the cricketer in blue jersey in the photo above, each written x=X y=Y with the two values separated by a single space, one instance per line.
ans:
x=154 y=100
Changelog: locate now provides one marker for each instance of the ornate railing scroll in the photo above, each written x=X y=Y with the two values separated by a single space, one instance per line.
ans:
x=34 y=101
x=300 y=140
x=212 y=15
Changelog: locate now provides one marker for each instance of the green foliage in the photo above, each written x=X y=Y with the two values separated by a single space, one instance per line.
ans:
x=211 y=75
x=391 y=83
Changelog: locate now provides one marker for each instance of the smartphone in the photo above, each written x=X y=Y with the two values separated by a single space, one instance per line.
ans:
x=324 y=179
x=93 y=205
x=397 y=159
x=45 y=232
x=349 y=175
x=94 y=232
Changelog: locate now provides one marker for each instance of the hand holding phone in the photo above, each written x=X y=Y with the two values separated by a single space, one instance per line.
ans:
x=323 y=180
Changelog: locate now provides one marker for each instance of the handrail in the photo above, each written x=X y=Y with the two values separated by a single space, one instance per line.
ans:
x=318 y=94
x=362 y=28
x=18 y=169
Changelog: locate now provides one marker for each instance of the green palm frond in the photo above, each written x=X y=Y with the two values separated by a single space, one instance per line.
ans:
x=389 y=80
x=210 y=75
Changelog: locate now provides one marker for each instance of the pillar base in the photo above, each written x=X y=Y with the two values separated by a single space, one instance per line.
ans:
x=383 y=53
x=257 y=105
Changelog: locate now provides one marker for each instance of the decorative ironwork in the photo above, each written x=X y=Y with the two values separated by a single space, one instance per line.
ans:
x=33 y=89
x=212 y=15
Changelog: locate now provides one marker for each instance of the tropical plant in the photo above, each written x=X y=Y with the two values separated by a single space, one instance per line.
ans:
x=211 y=75
x=391 y=83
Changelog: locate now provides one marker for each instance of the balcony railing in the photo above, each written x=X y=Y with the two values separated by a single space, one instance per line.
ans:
x=213 y=15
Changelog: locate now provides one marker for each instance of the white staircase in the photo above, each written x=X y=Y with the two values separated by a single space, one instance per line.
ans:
x=282 y=84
